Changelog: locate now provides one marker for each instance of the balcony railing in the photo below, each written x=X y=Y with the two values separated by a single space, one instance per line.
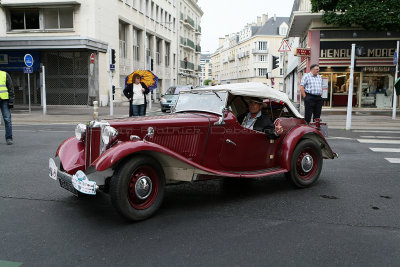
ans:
x=190 y=21
x=187 y=65
x=198 y=48
x=190 y=43
x=259 y=51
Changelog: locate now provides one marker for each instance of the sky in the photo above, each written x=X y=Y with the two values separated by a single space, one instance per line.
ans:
x=223 y=17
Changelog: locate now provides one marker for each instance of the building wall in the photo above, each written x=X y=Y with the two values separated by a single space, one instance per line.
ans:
x=100 y=20
x=241 y=62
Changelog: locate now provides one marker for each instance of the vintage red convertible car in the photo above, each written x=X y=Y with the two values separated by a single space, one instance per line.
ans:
x=134 y=158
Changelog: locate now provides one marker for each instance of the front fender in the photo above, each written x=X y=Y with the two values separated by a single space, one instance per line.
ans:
x=293 y=138
x=72 y=155
x=120 y=151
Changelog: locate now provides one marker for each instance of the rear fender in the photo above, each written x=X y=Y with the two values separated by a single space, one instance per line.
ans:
x=295 y=136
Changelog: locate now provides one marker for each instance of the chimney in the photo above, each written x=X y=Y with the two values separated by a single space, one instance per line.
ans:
x=274 y=17
x=259 y=21
x=264 y=18
x=221 y=42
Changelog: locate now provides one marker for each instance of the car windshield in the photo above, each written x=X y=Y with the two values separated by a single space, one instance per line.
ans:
x=175 y=90
x=207 y=101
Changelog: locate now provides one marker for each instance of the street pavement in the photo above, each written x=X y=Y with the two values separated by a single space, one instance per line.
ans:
x=350 y=217
x=335 y=117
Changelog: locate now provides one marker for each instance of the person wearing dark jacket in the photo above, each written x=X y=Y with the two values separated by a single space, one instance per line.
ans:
x=7 y=103
x=257 y=121
x=136 y=93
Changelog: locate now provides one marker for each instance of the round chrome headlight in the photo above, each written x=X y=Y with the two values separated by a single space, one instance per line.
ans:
x=80 y=131
x=108 y=133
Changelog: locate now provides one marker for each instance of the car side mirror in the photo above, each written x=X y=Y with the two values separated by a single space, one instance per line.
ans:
x=221 y=120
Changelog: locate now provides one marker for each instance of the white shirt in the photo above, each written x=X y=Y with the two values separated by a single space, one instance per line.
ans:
x=138 y=98
x=249 y=122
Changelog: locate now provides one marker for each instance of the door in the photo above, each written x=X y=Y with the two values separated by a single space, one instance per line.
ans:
x=246 y=150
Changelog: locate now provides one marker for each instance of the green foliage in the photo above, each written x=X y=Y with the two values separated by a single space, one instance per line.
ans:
x=377 y=15
x=207 y=82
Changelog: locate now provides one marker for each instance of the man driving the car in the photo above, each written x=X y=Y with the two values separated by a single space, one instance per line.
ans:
x=257 y=121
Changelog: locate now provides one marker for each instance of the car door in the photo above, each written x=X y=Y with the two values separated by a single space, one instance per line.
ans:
x=243 y=149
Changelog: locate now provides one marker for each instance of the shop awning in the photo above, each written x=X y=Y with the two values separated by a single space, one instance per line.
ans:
x=27 y=4
x=48 y=43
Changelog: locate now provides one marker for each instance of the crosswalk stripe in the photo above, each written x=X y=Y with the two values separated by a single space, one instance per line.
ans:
x=384 y=149
x=393 y=160
x=379 y=137
x=374 y=141
x=374 y=131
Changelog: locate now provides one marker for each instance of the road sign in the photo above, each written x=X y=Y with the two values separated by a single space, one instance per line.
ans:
x=285 y=47
x=395 y=58
x=112 y=66
x=28 y=59
x=92 y=58
x=28 y=70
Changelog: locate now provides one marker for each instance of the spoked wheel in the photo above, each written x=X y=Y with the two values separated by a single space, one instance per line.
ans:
x=137 y=188
x=306 y=164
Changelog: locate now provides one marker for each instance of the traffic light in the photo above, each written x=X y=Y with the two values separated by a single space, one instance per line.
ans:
x=113 y=91
x=113 y=56
x=275 y=62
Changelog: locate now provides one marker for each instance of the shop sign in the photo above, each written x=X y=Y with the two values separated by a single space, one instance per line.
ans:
x=346 y=53
x=302 y=52
x=377 y=69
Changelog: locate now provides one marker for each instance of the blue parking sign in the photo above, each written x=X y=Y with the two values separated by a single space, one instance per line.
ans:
x=28 y=59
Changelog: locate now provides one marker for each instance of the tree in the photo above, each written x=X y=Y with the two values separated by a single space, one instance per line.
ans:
x=376 y=15
x=207 y=82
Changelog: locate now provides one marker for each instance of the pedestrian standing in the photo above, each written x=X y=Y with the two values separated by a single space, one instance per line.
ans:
x=7 y=103
x=311 y=91
x=136 y=93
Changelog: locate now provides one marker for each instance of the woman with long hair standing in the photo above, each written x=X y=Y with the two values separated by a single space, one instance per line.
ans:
x=136 y=93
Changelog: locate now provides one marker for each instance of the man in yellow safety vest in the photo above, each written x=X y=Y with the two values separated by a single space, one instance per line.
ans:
x=7 y=103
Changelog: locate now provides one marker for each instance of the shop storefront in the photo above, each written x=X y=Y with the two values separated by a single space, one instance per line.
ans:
x=373 y=73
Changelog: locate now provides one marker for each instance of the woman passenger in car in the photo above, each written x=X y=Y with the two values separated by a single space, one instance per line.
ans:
x=255 y=120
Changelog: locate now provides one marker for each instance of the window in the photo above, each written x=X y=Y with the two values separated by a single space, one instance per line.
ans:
x=58 y=18
x=262 y=46
x=122 y=40
x=262 y=58
x=167 y=51
x=282 y=30
x=24 y=19
x=262 y=72
x=280 y=71
x=136 y=46
x=174 y=62
x=42 y=19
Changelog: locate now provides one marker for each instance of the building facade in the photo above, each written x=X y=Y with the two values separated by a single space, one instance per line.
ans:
x=206 y=68
x=331 y=49
x=72 y=40
x=246 y=56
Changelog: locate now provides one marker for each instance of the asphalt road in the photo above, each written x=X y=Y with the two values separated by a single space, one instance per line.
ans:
x=350 y=217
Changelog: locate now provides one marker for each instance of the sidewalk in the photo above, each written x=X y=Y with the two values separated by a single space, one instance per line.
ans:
x=336 y=118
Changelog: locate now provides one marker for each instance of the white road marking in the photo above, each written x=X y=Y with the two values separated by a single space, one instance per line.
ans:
x=338 y=137
x=375 y=141
x=379 y=137
x=393 y=160
x=375 y=131
x=384 y=149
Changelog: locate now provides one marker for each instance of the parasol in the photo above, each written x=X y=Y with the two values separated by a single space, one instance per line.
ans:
x=148 y=78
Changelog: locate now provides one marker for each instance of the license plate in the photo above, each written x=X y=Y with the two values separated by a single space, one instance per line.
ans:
x=52 y=169
x=83 y=184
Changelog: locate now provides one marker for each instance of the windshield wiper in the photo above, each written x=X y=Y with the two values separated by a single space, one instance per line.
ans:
x=217 y=95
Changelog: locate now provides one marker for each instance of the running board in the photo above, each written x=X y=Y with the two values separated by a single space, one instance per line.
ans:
x=248 y=174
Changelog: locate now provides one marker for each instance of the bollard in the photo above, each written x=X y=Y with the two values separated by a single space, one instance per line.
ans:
x=95 y=110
